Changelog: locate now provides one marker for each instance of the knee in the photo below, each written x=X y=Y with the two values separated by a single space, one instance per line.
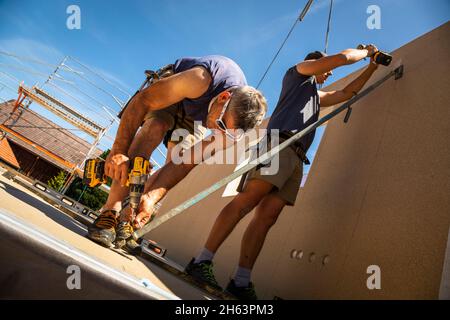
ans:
x=265 y=217
x=244 y=204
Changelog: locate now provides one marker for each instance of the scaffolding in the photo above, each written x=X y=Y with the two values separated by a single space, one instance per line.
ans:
x=59 y=77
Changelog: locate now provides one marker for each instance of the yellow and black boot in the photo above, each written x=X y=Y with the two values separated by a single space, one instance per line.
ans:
x=103 y=229
x=124 y=238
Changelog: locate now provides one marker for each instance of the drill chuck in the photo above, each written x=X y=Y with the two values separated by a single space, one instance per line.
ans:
x=135 y=195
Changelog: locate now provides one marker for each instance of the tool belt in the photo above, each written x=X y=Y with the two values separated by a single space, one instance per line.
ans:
x=161 y=73
x=151 y=77
x=296 y=146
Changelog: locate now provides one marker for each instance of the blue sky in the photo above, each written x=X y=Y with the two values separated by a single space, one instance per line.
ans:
x=120 y=39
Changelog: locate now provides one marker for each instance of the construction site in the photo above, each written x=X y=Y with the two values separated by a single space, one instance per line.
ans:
x=377 y=194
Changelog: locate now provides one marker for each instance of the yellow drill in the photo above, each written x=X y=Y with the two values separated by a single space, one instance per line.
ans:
x=137 y=177
x=94 y=175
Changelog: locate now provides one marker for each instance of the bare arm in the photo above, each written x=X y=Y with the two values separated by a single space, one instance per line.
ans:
x=170 y=174
x=188 y=84
x=325 y=64
x=334 y=97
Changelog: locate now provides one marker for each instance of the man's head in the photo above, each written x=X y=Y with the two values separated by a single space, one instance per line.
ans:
x=238 y=108
x=316 y=55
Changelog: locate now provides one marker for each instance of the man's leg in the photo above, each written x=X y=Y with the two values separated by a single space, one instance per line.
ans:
x=103 y=230
x=196 y=134
x=234 y=211
x=267 y=212
x=201 y=267
x=147 y=139
x=141 y=221
x=266 y=215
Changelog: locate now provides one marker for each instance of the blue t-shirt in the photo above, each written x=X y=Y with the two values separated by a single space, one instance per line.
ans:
x=297 y=107
x=225 y=73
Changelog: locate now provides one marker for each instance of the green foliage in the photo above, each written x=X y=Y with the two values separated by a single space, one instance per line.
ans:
x=93 y=198
x=57 y=181
x=103 y=156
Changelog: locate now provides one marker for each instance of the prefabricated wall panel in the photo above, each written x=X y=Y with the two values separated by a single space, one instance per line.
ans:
x=378 y=193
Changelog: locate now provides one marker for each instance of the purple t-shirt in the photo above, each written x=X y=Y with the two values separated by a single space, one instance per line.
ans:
x=225 y=73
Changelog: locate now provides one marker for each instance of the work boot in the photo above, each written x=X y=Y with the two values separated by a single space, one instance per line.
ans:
x=242 y=293
x=124 y=238
x=203 y=273
x=103 y=229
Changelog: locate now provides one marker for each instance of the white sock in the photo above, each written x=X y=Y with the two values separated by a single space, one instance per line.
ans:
x=205 y=254
x=242 y=277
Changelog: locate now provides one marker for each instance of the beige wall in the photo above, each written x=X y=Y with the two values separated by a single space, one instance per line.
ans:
x=378 y=193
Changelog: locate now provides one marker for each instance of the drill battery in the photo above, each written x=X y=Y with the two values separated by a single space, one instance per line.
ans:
x=94 y=172
x=379 y=57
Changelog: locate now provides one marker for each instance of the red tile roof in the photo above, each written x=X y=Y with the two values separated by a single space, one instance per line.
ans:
x=7 y=154
x=45 y=138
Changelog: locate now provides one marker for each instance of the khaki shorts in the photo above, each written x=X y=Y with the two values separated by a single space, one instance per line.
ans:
x=174 y=116
x=286 y=181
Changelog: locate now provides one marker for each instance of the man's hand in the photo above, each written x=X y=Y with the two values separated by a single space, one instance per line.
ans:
x=373 y=64
x=145 y=212
x=371 y=50
x=332 y=98
x=116 y=167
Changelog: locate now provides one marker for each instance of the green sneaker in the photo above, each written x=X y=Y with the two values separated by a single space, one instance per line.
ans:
x=124 y=238
x=242 y=293
x=203 y=273
x=103 y=229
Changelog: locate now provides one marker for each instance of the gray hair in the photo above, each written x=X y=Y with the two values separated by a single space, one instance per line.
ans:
x=248 y=106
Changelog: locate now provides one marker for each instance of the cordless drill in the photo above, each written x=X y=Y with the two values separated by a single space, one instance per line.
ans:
x=137 y=177
x=94 y=175
x=379 y=57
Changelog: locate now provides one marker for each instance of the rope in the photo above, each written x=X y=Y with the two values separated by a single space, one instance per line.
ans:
x=328 y=26
x=101 y=77
x=78 y=100
x=32 y=60
x=30 y=71
x=276 y=54
x=117 y=100
x=299 y=18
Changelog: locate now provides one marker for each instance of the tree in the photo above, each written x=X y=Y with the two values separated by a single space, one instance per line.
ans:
x=57 y=181
x=93 y=198
x=103 y=156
